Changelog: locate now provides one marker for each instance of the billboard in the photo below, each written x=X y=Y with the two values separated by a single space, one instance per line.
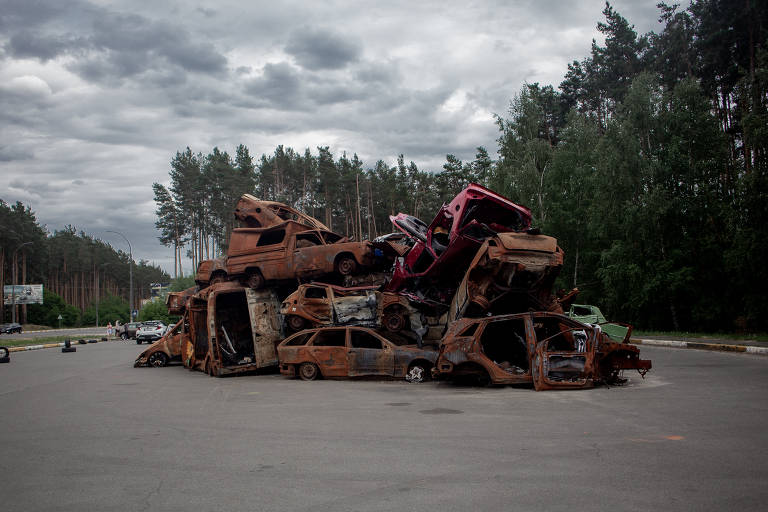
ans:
x=23 y=294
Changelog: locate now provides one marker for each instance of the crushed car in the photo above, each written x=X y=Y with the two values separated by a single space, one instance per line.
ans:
x=546 y=349
x=321 y=304
x=587 y=314
x=511 y=273
x=289 y=251
x=256 y=213
x=232 y=330
x=452 y=238
x=166 y=349
x=342 y=352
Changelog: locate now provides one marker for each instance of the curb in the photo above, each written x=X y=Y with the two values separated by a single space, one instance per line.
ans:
x=722 y=347
x=27 y=348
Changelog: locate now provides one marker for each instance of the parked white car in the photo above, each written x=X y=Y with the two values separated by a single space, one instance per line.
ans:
x=151 y=331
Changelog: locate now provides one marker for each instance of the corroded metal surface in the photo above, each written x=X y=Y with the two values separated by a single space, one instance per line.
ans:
x=339 y=352
x=255 y=213
x=547 y=349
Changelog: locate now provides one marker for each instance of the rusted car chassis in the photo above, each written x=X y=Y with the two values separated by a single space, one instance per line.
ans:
x=232 y=329
x=549 y=350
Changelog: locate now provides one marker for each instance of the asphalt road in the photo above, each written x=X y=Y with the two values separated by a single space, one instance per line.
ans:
x=87 y=431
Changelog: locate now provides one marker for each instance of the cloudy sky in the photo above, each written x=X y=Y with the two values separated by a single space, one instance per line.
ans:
x=97 y=96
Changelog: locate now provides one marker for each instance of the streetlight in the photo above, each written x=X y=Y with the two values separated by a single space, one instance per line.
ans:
x=130 y=274
x=15 y=278
x=98 y=290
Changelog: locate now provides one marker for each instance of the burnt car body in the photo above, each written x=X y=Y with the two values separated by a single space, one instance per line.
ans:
x=340 y=352
x=256 y=213
x=232 y=329
x=453 y=237
x=211 y=271
x=166 y=349
x=321 y=304
x=317 y=304
x=510 y=273
x=290 y=250
x=619 y=332
x=546 y=349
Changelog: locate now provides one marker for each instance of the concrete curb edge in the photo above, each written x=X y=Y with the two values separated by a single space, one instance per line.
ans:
x=722 y=347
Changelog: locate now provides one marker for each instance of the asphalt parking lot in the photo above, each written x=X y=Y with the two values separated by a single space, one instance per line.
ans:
x=87 y=431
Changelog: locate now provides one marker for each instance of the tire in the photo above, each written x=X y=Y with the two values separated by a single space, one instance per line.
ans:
x=417 y=372
x=5 y=355
x=394 y=320
x=309 y=371
x=296 y=323
x=5 y=359
x=93 y=341
x=346 y=266
x=68 y=349
x=217 y=278
x=138 y=342
x=157 y=359
x=123 y=336
x=254 y=280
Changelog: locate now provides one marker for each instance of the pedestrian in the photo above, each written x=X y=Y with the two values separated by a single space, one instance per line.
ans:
x=109 y=329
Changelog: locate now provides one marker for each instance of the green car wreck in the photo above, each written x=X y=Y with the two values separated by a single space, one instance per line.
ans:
x=586 y=314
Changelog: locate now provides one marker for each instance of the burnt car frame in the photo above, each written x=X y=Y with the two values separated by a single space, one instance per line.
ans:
x=291 y=250
x=166 y=349
x=455 y=234
x=257 y=213
x=340 y=352
x=322 y=304
x=232 y=329
x=546 y=349
x=510 y=273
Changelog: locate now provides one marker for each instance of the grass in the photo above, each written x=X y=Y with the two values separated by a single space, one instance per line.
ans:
x=758 y=337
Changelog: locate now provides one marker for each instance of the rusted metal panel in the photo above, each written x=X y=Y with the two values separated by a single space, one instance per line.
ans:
x=167 y=348
x=336 y=352
x=290 y=250
x=510 y=273
x=547 y=349
x=177 y=301
x=255 y=213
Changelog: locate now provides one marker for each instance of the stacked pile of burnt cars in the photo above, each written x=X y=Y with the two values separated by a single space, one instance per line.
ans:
x=469 y=297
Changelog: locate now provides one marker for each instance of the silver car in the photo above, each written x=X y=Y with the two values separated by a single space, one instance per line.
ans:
x=151 y=331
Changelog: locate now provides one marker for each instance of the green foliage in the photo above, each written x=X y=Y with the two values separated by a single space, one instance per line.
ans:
x=182 y=283
x=155 y=310
x=48 y=312
x=111 y=308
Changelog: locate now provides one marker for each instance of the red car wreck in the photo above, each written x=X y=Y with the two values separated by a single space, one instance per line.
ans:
x=549 y=350
x=455 y=234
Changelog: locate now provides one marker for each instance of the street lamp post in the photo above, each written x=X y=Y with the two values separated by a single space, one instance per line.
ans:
x=15 y=278
x=98 y=290
x=130 y=275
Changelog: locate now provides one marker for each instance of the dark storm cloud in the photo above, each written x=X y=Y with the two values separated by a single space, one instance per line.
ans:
x=316 y=49
x=112 y=45
x=28 y=13
x=279 y=86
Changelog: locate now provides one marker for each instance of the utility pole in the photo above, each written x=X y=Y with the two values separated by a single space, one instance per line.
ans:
x=130 y=274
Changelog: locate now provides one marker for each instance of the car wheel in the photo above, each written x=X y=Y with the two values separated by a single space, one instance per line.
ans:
x=394 y=320
x=158 y=359
x=254 y=280
x=123 y=337
x=296 y=323
x=346 y=266
x=138 y=342
x=309 y=371
x=417 y=372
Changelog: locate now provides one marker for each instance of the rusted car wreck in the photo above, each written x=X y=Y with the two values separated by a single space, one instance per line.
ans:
x=468 y=297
